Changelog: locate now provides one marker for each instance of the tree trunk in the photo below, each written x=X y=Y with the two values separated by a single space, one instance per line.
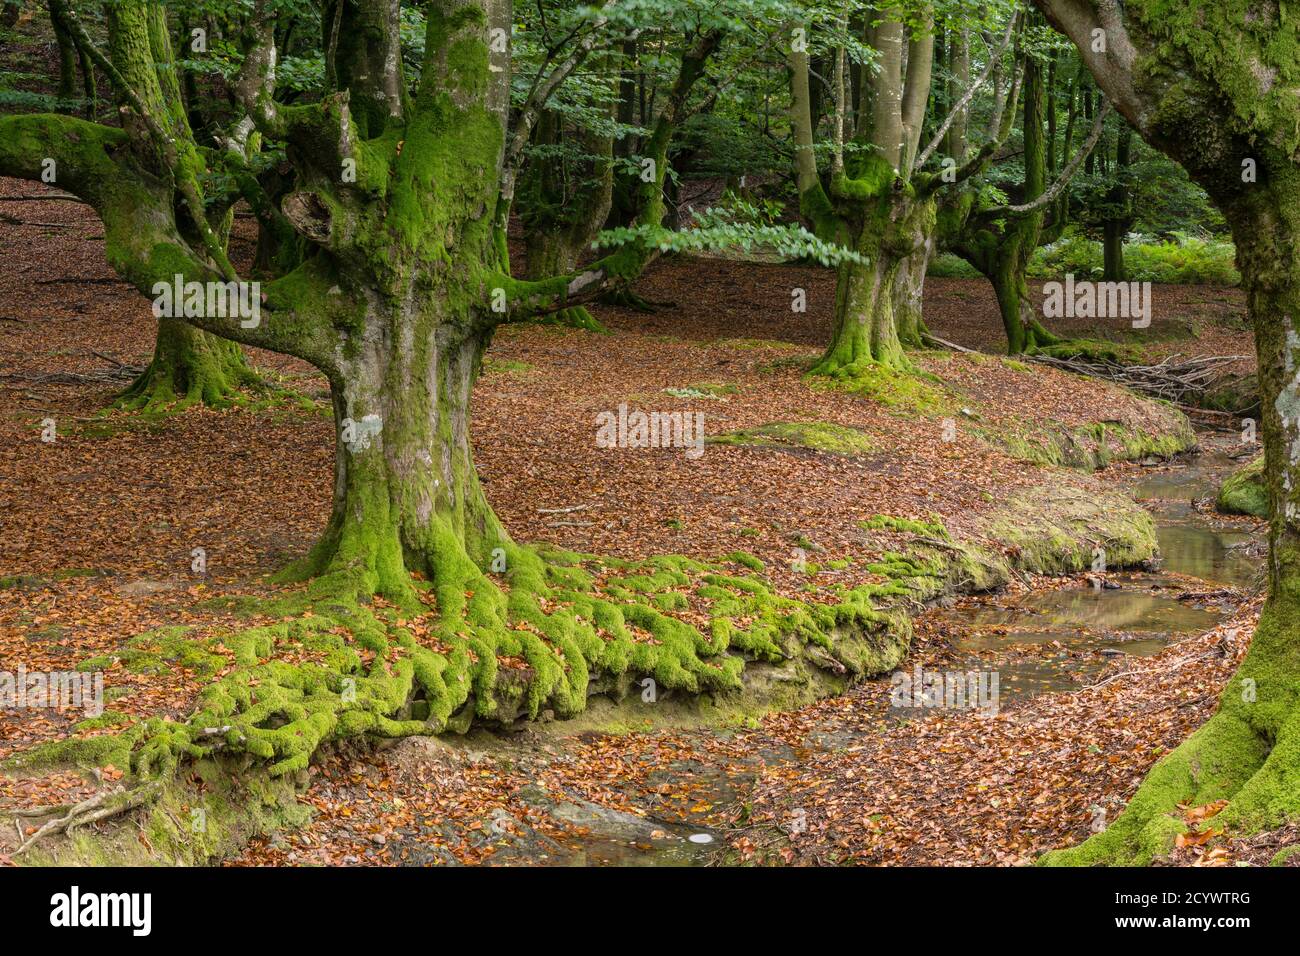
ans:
x=1001 y=247
x=877 y=304
x=909 y=284
x=1019 y=317
x=1117 y=223
x=909 y=295
x=1112 y=250
x=67 y=61
x=189 y=366
x=564 y=208
x=406 y=492
x=1199 y=113
x=1249 y=751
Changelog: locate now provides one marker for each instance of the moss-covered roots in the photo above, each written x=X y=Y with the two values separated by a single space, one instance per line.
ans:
x=534 y=634
x=189 y=367
x=574 y=317
x=538 y=631
x=539 y=637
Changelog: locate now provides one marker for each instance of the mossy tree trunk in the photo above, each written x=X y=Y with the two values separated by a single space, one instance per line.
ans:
x=189 y=366
x=400 y=288
x=877 y=308
x=874 y=199
x=400 y=294
x=407 y=495
x=909 y=295
x=565 y=200
x=1000 y=244
x=564 y=203
x=67 y=60
x=1212 y=114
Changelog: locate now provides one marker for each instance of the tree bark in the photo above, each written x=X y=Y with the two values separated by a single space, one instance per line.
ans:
x=1001 y=245
x=1116 y=226
x=565 y=204
x=1213 y=115
x=406 y=492
x=188 y=366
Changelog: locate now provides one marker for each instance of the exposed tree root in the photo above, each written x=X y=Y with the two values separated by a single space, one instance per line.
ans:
x=560 y=632
x=110 y=803
x=576 y=317
x=627 y=299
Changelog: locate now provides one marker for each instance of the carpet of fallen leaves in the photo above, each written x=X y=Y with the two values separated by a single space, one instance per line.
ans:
x=124 y=507
x=964 y=789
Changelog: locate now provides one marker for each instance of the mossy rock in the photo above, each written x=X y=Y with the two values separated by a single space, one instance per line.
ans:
x=1165 y=432
x=816 y=436
x=1243 y=492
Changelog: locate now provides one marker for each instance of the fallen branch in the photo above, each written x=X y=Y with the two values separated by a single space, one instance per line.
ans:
x=45 y=197
x=1169 y=378
x=931 y=338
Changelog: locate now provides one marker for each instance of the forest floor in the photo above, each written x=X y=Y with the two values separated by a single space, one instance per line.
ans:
x=97 y=530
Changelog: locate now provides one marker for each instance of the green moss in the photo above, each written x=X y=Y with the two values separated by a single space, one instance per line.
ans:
x=156 y=652
x=1282 y=856
x=577 y=637
x=1054 y=528
x=902 y=391
x=1165 y=432
x=506 y=367
x=1243 y=492
x=933 y=528
x=190 y=367
x=1093 y=350
x=109 y=718
x=746 y=560
x=818 y=436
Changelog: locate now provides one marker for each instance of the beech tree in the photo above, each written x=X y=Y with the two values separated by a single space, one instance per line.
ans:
x=396 y=192
x=1214 y=86
x=402 y=183
x=877 y=197
x=145 y=176
x=999 y=239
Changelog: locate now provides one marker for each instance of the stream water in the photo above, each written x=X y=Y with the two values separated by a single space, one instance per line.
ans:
x=1037 y=641
x=1050 y=640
